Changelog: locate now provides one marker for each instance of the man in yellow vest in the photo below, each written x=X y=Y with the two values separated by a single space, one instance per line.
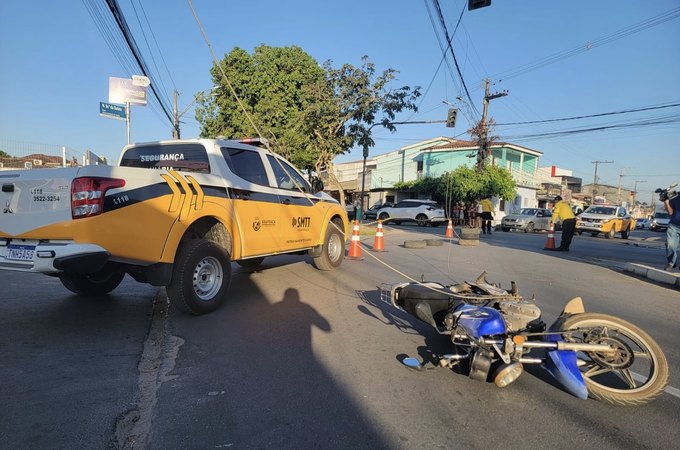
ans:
x=563 y=212
x=487 y=214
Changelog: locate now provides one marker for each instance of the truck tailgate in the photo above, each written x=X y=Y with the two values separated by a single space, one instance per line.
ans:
x=30 y=199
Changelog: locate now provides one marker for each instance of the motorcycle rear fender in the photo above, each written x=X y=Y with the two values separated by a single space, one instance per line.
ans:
x=563 y=364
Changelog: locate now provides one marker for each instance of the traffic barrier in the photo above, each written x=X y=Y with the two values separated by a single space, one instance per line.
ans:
x=550 y=243
x=355 y=243
x=449 y=230
x=379 y=242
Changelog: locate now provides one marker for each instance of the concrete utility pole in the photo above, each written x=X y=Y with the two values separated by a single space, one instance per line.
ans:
x=635 y=191
x=595 y=177
x=484 y=138
x=175 y=115
x=618 y=193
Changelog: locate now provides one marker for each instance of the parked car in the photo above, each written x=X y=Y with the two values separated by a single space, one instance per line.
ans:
x=641 y=224
x=372 y=212
x=527 y=220
x=420 y=211
x=660 y=221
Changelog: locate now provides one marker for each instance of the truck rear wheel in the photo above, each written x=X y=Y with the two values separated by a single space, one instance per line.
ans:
x=92 y=284
x=200 y=277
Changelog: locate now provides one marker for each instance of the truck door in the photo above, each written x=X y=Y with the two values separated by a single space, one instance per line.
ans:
x=256 y=202
x=301 y=215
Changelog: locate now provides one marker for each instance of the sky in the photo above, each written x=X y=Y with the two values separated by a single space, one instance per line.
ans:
x=556 y=60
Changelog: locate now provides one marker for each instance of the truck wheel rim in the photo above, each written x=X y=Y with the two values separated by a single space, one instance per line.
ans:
x=334 y=247
x=207 y=279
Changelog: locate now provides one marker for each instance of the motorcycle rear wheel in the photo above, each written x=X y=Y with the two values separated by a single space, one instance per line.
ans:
x=635 y=375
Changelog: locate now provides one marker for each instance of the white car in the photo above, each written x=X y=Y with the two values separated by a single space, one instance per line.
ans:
x=420 y=211
x=660 y=221
x=527 y=220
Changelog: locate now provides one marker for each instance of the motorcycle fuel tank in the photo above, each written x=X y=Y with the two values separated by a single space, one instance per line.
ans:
x=478 y=321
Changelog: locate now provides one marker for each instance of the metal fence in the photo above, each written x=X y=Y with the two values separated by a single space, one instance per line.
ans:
x=31 y=155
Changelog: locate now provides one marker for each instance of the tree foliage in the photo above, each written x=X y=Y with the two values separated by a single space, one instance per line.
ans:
x=286 y=93
x=464 y=184
x=310 y=113
x=4 y=154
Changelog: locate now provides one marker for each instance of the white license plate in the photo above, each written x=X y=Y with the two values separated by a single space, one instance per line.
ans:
x=20 y=252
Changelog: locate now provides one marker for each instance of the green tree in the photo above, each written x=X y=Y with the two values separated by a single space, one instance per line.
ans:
x=4 y=154
x=468 y=184
x=287 y=95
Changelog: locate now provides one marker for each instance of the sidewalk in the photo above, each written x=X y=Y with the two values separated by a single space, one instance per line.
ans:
x=654 y=274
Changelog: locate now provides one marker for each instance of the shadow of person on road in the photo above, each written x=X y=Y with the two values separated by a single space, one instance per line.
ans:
x=248 y=376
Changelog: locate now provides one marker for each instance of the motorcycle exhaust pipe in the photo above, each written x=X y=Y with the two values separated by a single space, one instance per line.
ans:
x=573 y=346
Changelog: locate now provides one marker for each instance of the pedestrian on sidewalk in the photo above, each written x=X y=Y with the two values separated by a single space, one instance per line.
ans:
x=672 y=206
x=562 y=211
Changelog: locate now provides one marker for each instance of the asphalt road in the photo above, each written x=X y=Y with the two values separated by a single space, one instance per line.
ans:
x=299 y=358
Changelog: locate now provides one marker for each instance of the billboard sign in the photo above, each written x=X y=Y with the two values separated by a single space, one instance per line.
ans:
x=123 y=90
x=112 y=111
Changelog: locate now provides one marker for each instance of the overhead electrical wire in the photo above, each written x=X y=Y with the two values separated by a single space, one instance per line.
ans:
x=559 y=56
x=626 y=111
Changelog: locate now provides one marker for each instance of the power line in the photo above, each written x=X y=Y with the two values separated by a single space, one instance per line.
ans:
x=647 y=108
x=559 y=56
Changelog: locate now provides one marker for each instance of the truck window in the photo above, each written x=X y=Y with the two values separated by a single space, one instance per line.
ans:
x=182 y=157
x=283 y=177
x=247 y=164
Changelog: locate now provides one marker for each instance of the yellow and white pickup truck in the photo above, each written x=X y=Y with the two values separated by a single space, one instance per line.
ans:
x=172 y=213
x=605 y=219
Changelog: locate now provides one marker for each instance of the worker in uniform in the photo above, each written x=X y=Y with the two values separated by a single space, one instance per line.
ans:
x=563 y=212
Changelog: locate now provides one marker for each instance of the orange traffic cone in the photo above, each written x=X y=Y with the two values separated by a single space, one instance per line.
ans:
x=355 y=243
x=550 y=243
x=379 y=243
x=449 y=230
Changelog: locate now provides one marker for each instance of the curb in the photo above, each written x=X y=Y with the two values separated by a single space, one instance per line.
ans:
x=654 y=274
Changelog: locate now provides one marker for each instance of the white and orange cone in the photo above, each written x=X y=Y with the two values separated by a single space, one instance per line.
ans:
x=379 y=242
x=449 y=230
x=550 y=243
x=355 y=243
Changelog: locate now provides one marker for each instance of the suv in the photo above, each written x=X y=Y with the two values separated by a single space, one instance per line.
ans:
x=608 y=220
x=528 y=219
x=420 y=211
x=660 y=221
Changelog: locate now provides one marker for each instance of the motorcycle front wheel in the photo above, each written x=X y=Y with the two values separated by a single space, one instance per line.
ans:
x=635 y=374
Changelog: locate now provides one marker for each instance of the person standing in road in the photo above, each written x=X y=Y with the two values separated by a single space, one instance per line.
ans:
x=487 y=214
x=673 y=231
x=563 y=212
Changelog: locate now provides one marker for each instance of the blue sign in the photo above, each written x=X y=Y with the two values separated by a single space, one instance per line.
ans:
x=112 y=111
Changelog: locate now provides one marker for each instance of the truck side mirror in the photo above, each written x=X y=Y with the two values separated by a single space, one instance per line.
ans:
x=317 y=185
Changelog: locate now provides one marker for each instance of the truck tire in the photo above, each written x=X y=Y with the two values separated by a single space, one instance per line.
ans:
x=92 y=284
x=200 y=277
x=625 y=233
x=333 y=249
x=611 y=233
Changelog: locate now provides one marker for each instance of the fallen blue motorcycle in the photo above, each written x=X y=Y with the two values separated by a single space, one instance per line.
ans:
x=497 y=332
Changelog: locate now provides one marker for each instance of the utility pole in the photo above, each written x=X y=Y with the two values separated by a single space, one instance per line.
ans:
x=175 y=115
x=484 y=138
x=595 y=177
x=635 y=191
x=618 y=193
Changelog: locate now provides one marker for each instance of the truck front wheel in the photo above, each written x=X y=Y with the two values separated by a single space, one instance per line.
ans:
x=333 y=249
x=98 y=283
x=200 y=277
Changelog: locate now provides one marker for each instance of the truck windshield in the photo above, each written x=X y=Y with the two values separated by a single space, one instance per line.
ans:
x=607 y=211
x=182 y=157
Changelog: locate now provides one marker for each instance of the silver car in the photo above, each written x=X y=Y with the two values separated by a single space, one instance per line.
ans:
x=527 y=220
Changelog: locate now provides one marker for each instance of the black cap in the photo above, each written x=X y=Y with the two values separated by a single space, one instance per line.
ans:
x=557 y=199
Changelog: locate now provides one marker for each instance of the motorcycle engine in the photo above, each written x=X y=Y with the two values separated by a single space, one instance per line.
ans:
x=520 y=315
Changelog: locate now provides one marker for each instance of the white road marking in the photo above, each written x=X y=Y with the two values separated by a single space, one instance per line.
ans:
x=675 y=392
